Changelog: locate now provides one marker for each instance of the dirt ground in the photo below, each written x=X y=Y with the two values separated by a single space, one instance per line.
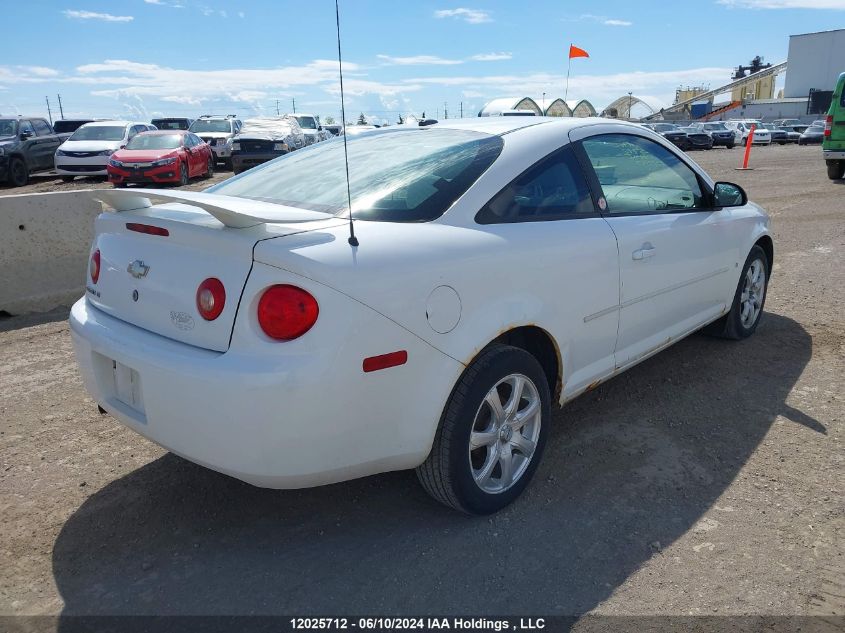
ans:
x=706 y=481
x=47 y=182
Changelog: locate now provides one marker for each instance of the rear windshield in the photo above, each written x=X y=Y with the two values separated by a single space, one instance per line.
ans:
x=170 y=124
x=715 y=126
x=155 y=141
x=99 y=133
x=307 y=122
x=63 y=127
x=394 y=176
x=198 y=127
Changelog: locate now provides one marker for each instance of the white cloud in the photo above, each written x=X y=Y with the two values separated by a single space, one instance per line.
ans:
x=785 y=4
x=158 y=2
x=241 y=14
x=40 y=71
x=473 y=16
x=491 y=57
x=419 y=60
x=598 y=89
x=603 y=19
x=92 y=15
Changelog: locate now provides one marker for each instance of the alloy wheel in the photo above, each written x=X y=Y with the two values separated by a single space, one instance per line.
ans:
x=505 y=433
x=751 y=298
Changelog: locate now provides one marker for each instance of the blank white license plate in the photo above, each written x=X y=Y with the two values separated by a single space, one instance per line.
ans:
x=127 y=386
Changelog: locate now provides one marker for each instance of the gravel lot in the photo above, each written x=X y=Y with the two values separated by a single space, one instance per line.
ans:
x=47 y=182
x=707 y=480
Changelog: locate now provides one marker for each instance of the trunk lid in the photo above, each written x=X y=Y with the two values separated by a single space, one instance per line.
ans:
x=151 y=280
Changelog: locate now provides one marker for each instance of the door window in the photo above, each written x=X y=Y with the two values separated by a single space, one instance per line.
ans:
x=26 y=126
x=553 y=189
x=638 y=175
x=41 y=127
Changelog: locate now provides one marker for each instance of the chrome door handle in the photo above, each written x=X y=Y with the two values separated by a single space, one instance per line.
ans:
x=644 y=253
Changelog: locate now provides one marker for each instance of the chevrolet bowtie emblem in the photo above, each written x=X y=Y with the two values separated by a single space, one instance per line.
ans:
x=138 y=269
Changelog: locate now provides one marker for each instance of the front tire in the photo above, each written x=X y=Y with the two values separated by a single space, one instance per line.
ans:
x=835 y=169
x=18 y=172
x=492 y=433
x=183 y=174
x=749 y=299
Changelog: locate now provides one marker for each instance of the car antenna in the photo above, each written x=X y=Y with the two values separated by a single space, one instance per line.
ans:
x=353 y=241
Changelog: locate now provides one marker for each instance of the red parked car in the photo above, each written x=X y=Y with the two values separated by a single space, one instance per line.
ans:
x=162 y=156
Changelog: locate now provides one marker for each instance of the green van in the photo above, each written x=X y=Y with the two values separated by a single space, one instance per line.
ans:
x=833 y=145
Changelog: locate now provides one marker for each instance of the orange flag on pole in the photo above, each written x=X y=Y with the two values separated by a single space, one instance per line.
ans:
x=574 y=51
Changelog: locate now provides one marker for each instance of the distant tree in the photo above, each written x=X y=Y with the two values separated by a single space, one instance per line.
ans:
x=329 y=120
x=401 y=120
x=423 y=116
x=362 y=120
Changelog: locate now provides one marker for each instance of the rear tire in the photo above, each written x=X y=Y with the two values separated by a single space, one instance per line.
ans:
x=730 y=146
x=18 y=172
x=835 y=169
x=477 y=439
x=749 y=299
x=209 y=172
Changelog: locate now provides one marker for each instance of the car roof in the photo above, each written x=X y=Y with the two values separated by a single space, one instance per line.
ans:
x=506 y=124
x=165 y=132
x=113 y=123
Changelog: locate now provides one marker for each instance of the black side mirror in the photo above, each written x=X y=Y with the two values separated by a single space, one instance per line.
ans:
x=26 y=134
x=727 y=194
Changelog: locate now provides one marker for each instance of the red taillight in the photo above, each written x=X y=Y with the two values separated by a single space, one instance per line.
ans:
x=828 y=124
x=148 y=229
x=94 y=266
x=211 y=297
x=286 y=312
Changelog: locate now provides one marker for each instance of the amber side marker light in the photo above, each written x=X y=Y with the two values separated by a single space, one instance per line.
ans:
x=394 y=359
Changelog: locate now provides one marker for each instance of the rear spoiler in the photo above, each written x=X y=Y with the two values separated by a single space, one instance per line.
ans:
x=238 y=213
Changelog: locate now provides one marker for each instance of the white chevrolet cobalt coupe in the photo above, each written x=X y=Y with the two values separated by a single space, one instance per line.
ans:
x=501 y=265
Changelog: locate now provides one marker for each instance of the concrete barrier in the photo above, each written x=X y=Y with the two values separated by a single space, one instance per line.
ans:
x=45 y=242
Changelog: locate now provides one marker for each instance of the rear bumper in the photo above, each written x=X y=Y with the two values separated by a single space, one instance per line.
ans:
x=833 y=154
x=278 y=415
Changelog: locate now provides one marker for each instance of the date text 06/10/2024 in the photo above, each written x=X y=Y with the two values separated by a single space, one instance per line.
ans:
x=423 y=624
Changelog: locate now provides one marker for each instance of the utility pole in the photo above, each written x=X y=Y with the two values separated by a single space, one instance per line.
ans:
x=277 y=107
x=49 y=113
x=462 y=109
x=61 y=111
x=293 y=99
x=445 y=110
x=629 y=105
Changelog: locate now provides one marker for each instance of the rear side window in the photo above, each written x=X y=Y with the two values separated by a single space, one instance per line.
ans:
x=553 y=189
x=638 y=175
